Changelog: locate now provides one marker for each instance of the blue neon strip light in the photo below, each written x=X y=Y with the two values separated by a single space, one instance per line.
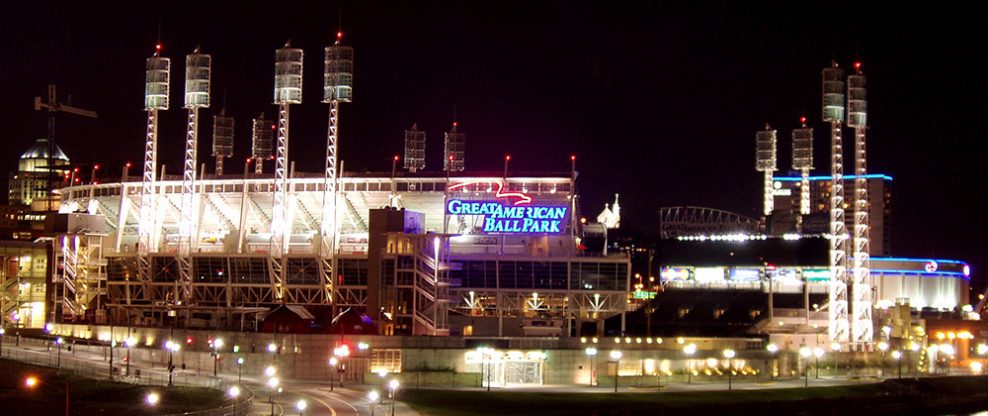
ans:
x=945 y=261
x=923 y=274
x=827 y=178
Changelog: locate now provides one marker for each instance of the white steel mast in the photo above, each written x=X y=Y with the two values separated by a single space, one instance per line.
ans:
x=197 y=76
x=287 y=91
x=157 y=73
x=862 y=331
x=337 y=88
x=833 y=112
x=765 y=162
x=802 y=160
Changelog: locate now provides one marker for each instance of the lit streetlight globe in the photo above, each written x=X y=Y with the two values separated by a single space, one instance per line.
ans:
x=616 y=355
x=270 y=371
x=233 y=392
x=393 y=384
x=896 y=354
x=152 y=399
x=772 y=348
x=301 y=405
x=591 y=351
x=806 y=352
x=272 y=347
x=373 y=395
x=218 y=343
x=273 y=382
x=729 y=353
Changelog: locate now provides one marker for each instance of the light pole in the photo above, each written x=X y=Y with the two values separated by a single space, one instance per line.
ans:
x=300 y=406
x=729 y=355
x=591 y=353
x=273 y=385
x=233 y=392
x=883 y=347
x=172 y=347
x=152 y=400
x=217 y=344
x=806 y=352
x=772 y=349
x=393 y=388
x=689 y=350
x=817 y=353
x=58 y=364
x=2 y=332
x=897 y=355
x=31 y=382
x=240 y=369
x=373 y=396
x=129 y=343
x=616 y=356
x=333 y=361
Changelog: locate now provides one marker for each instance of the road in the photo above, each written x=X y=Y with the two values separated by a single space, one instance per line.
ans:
x=318 y=397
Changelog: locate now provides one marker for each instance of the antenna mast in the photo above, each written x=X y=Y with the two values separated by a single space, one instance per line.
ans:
x=863 y=327
x=833 y=112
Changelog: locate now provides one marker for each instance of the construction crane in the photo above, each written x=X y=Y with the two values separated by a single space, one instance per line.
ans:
x=53 y=107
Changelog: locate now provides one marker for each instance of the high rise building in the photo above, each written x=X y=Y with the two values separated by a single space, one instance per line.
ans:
x=787 y=192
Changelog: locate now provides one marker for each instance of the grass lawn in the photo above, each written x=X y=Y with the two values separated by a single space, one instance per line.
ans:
x=91 y=397
x=851 y=399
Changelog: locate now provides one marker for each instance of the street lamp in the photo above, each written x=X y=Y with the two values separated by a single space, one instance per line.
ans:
x=393 y=388
x=772 y=349
x=373 y=396
x=729 y=355
x=152 y=399
x=592 y=353
x=898 y=360
x=805 y=352
x=273 y=385
x=817 y=353
x=233 y=392
x=689 y=350
x=333 y=361
x=172 y=347
x=616 y=356
x=883 y=347
x=300 y=406
x=217 y=344
x=129 y=343
x=2 y=332
x=59 y=341
x=32 y=382
x=240 y=369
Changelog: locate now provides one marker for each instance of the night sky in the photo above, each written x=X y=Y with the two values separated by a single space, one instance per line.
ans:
x=660 y=103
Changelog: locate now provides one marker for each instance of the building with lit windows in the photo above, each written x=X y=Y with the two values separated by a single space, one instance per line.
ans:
x=787 y=193
x=421 y=254
x=31 y=181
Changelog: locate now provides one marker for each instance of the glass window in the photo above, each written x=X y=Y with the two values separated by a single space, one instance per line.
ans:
x=506 y=274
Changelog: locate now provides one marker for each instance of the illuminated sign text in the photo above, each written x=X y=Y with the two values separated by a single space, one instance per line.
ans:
x=499 y=218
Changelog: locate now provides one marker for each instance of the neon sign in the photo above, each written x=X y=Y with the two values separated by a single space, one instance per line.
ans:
x=498 y=188
x=500 y=218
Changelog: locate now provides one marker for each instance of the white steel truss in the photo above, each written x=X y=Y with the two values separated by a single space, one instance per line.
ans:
x=838 y=305
x=186 y=224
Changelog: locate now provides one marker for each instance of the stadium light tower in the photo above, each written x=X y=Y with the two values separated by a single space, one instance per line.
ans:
x=337 y=88
x=833 y=112
x=197 y=75
x=765 y=162
x=262 y=142
x=802 y=161
x=862 y=330
x=455 y=150
x=222 y=139
x=156 y=84
x=287 y=91
x=414 y=149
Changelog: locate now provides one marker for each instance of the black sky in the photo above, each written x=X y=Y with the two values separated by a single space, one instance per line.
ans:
x=659 y=101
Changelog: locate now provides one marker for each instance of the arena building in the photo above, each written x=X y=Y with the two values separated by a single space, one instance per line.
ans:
x=417 y=254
